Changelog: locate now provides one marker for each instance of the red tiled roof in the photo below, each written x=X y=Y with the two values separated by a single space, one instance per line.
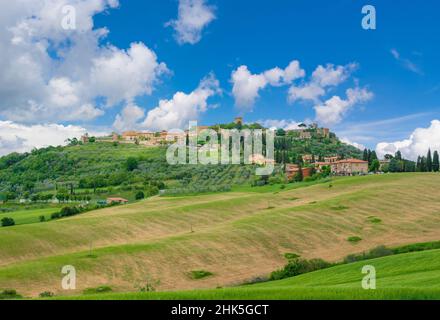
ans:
x=351 y=161
x=117 y=199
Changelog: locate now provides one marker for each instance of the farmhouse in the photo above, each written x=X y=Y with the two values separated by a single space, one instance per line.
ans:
x=349 y=167
x=293 y=169
x=117 y=200
x=130 y=135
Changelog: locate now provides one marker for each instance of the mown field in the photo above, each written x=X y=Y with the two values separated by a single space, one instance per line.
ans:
x=406 y=276
x=237 y=236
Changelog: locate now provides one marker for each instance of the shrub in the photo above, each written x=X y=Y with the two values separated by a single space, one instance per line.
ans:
x=354 y=239
x=380 y=251
x=299 y=266
x=8 y=222
x=101 y=289
x=200 y=274
x=9 y=294
x=374 y=220
x=46 y=294
x=140 y=195
x=291 y=256
x=42 y=218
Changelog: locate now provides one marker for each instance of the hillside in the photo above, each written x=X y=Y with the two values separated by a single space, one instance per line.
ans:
x=101 y=168
x=237 y=236
x=409 y=276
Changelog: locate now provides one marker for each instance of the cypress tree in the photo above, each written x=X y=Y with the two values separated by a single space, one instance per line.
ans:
x=423 y=164
x=429 y=161
x=365 y=156
x=436 y=162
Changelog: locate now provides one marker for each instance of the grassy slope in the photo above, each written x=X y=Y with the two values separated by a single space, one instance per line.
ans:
x=406 y=276
x=31 y=215
x=237 y=235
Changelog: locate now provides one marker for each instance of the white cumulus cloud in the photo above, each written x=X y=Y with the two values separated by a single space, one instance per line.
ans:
x=129 y=118
x=321 y=79
x=16 y=137
x=50 y=74
x=419 y=142
x=246 y=86
x=280 y=124
x=334 y=109
x=176 y=113
x=193 y=17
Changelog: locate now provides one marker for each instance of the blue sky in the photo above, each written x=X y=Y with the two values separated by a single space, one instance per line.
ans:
x=396 y=65
x=262 y=35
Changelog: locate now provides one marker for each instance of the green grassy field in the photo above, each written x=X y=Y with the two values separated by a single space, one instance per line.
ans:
x=406 y=276
x=237 y=236
x=28 y=216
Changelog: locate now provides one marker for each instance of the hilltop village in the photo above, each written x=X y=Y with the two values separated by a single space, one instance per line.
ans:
x=308 y=164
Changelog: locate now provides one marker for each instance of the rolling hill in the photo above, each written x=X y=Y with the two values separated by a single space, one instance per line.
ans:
x=409 y=276
x=237 y=236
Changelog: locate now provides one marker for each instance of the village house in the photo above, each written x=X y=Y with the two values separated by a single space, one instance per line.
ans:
x=259 y=159
x=349 y=167
x=383 y=163
x=117 y=201
x=130 y=136
x=293 y=169
x=308 y=158
x=331 y=159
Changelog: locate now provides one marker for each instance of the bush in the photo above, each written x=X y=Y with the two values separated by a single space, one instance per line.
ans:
x=8 y=222
x=299 y=266
x=354 y=239
x=42 y=218
x=47 y=294
x=101 y=289
x=140 y=195
x=9 y=294
x=200 y=274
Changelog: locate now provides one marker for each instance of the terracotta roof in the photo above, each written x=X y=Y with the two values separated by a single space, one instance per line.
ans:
x=117 y=199
x=130 y=134
x=352 y=161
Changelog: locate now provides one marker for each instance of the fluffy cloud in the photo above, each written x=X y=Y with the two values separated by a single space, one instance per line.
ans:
x=193 y=17
x=22 y=138
x=182 y=108
x=51 y=74
x=137 y=71
x=246 y=86
x=280 y=124
x=333 y=110
x=322 y=78
x=129 y=118
x=354 y=144
x=418 y=143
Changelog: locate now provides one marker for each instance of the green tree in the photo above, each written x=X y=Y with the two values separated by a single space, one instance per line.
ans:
x=436 y=162
x=8 y=222
x=375 y=165
x=429 y=161
x=131 y=164
x=140 y=195
x=365 y=155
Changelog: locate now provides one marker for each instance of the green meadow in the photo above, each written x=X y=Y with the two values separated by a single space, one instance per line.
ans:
x=410 y=276
x=236 y=237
